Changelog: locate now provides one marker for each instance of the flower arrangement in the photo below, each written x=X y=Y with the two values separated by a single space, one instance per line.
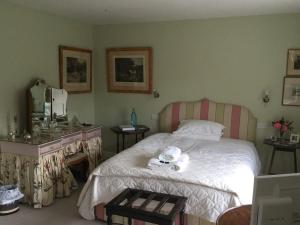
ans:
x=282 y=125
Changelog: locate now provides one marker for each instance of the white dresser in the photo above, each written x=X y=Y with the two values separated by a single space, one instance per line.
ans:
x=40 y=166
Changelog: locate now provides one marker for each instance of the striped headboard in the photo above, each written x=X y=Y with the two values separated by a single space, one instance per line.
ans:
x=239 y=122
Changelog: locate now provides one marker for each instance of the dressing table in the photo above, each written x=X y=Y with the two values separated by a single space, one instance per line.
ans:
x=40 y=165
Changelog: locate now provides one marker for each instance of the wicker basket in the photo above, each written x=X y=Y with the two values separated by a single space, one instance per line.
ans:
x=9 y=199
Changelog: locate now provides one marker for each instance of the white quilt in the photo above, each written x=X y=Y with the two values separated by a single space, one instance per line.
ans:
x=219 y=175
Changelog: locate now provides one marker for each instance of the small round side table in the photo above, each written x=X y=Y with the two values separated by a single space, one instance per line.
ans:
x=283 y=146
x=139 y=130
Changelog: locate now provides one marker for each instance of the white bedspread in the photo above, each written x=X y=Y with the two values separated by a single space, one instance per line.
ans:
x=219 y=175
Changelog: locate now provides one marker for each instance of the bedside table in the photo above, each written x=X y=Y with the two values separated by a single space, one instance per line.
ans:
x=283 y=147
x=139 y=129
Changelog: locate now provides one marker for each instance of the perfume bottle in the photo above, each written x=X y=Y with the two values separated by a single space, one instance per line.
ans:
x=133 y=118
x=12 y=127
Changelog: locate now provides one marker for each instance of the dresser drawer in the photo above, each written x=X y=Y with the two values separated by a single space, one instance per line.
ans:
x=49 y=148
x=72 y=138
x=92 y=134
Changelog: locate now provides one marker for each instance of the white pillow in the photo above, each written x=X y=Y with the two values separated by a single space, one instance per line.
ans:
x=211 y=137
x=199 y=127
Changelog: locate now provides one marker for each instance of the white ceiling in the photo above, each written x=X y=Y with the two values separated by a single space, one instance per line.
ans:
x=135 y=11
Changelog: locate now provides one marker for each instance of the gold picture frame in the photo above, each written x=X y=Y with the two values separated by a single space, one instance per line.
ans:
x=75 y=69
x=291 y=91
x=129 y=70
x=293 y=62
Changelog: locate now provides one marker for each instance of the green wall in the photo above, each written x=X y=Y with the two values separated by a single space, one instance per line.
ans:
x=29 y=43
x=227 y=60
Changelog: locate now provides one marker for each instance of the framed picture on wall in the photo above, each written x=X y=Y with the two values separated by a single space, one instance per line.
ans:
x=291 y=91
x=75 y=69
x=129 y=70
x=293 y=62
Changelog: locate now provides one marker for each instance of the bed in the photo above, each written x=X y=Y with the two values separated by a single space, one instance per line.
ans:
x=219 y=175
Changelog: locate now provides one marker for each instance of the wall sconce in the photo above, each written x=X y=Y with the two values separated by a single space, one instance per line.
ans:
x=266 y=96
x=155 y=93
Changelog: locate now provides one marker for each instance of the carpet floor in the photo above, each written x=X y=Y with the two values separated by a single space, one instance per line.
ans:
x=62 y=212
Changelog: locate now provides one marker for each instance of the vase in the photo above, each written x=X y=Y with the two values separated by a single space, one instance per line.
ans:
x=281 y=136
x=281 y=133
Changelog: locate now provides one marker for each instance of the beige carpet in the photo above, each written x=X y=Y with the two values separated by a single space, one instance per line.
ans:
x=62 y=212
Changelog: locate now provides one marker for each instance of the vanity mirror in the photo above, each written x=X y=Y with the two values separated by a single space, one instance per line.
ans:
x=45 y=105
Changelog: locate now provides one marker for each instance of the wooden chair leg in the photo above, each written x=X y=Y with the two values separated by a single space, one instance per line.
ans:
x=109 y=219
x=86 y=166
x=181 y=215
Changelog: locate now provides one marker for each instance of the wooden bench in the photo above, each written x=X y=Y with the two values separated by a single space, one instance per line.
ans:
x=123 y=205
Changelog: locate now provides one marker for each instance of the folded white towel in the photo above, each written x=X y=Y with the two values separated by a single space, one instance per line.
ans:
x=181 y=163
x=154 y=163
x=169 y=154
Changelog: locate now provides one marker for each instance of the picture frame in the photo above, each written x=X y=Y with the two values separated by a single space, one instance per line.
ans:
x=291 y=91
x=295 y=138
x=129 y=70
x=293 y=62
x=75 y=69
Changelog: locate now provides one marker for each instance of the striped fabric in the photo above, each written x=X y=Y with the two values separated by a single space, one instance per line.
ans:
x=239 y=122
x=100 y=214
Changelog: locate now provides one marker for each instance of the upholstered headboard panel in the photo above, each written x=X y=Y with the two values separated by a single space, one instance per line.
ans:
x=239 y=122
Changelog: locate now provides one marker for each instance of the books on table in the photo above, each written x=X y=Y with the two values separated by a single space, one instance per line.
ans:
x=126 y=127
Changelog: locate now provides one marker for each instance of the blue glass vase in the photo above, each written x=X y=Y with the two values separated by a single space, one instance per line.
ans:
x=133 y=118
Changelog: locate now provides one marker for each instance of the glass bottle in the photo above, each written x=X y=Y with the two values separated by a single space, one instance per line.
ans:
x=133 y=118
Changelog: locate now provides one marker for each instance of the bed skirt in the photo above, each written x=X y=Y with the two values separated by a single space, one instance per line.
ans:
x=189 y=219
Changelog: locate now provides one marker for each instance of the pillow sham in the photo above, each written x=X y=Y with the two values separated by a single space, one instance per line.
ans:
x=212 y=137
x=199 y=127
